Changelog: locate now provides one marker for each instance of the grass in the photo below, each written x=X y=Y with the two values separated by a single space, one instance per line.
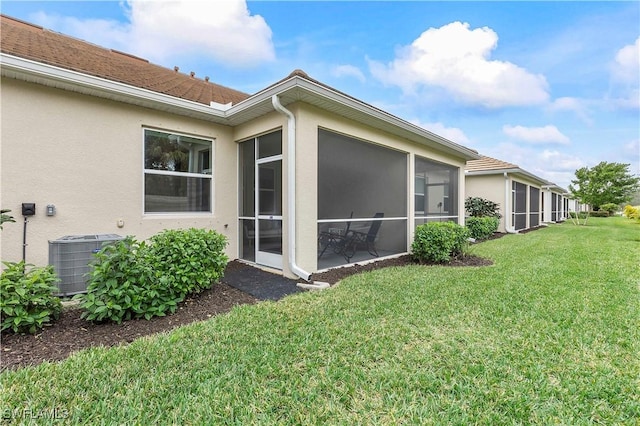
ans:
x=550 y=334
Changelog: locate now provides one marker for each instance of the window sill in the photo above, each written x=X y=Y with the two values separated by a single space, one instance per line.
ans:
x=185 y=215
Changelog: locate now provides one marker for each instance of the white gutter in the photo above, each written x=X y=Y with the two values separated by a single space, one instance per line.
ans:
x=291 y=185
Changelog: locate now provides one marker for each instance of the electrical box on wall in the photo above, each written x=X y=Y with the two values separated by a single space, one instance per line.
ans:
x=28 y=209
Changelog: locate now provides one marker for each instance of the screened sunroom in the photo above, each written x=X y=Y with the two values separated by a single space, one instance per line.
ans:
x=363 y=198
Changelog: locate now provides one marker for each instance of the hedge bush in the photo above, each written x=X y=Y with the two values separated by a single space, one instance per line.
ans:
x=609 y=208
x=121 y=285
x=481 y=207
x=439 y=242
x=132 y=279
x=583 y=215
x=482 y=228
x=191 y=260
x=632 y=212
x=27 y=301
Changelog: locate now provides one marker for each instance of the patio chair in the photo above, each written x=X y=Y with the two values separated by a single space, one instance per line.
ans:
x=347 y=244
x=333 y=238
x=357 y=239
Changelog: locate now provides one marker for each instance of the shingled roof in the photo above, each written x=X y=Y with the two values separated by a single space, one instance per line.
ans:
x=35 y=43
x=487 y=163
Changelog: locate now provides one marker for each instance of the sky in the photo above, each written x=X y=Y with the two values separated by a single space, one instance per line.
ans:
x=549 y=86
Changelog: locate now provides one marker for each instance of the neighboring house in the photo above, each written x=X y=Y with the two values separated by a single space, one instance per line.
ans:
x=117 y=145
x=556 y=202
x=518 y=192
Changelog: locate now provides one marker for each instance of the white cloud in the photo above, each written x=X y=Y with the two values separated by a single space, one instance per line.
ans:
x=451 y=133
x=575 y=105
x=626 y=67
x=348 y=71
x=457 y=59
x=625 y=73
x=536 y=135
x=159 y=30
x=633 y=148
x=553 y=165
x=559 y=161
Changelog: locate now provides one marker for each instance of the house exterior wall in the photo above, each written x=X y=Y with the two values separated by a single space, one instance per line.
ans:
x=308 y=121
x=491 y=187
x=85 y=156
x=561 y=212
x=546 y=210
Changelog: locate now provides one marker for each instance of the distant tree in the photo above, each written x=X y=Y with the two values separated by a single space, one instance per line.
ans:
x=604 y=183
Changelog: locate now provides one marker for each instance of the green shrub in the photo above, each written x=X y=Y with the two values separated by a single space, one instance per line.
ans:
x=439 y=241
x=27 y=302
x=610 y=208
x=632 y=212
x=132 y=279
x=583 y=215
x=122 y=286
x=599 y=213
x=5 y=217
x=191 y=260
x=480 y=207
x=482 y=228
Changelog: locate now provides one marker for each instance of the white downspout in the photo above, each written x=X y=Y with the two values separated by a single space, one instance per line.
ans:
x=291 y=185
x=507 y=214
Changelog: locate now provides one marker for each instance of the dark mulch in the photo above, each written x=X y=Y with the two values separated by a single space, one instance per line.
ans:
x=70 y=333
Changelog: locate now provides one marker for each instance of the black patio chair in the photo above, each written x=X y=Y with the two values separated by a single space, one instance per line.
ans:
x=349 y=242
x=333 y=240
x=357 y=239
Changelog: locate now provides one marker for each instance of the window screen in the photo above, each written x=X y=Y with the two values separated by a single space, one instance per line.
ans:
x=519 y=205
x=534 y=210
x=362 y=187
x=435 y=191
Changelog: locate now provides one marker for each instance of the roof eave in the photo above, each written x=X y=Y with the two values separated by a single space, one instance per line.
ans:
x=512 y=171
x=290 y=90
x=298 y=88
x=61 y=78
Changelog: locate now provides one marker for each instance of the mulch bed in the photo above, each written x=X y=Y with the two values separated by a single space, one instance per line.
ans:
x=70 y=333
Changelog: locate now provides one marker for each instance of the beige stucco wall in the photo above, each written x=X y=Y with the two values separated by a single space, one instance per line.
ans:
x=491 y=187
x=84 y=155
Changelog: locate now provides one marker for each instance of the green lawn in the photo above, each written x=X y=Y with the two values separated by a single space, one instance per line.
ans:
x=550 y=334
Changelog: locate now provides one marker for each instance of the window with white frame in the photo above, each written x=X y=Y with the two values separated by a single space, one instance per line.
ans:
x=177 y=173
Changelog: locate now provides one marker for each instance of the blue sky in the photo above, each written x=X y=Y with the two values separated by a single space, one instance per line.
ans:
x=550 y=86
